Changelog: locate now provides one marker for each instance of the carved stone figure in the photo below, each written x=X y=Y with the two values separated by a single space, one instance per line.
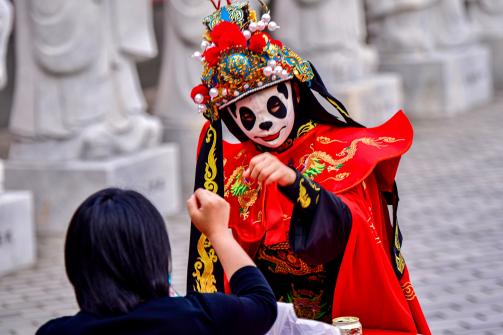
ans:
x=77 y=89
x=434 y=46
x=487 y=15
x=5 y=30
x=182 y=37
x=417 y=26
x=331 y=33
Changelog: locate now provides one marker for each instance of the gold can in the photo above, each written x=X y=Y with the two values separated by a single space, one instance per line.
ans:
x=348 y=325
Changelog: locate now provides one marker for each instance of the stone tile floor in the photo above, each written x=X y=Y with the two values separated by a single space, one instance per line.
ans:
x=451 y=215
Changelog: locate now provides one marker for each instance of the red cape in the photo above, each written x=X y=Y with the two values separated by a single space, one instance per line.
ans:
x=357 y=164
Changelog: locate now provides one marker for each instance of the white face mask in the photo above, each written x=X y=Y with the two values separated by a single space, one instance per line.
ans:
x=267 y=117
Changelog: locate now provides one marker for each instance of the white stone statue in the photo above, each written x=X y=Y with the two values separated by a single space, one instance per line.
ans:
x=5 y=30
x=330 y=33
x=182 y=37
x=451 y=26
x=417 y=26
x=180 y=72
x=77 y=89
x=487 y=15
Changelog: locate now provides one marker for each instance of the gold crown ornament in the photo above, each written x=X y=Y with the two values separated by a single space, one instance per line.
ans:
x=239 y=58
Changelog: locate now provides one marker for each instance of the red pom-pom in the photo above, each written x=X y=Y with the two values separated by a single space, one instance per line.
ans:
x=200 y=89
x=227 y=34
x=258 y=42
x=212 y=55
x=232 y=39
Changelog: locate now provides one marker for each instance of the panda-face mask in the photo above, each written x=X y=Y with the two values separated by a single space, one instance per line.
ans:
x=267 y=117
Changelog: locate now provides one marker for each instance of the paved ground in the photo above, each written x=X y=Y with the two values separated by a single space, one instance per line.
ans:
x=451 y=215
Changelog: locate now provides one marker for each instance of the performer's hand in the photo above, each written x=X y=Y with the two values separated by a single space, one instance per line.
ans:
x=209 y=213
x=269 y=169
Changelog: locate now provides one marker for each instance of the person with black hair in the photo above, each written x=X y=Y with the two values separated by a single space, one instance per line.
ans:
x=118 y=259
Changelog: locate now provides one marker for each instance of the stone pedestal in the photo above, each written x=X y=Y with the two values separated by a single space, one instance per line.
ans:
x=186 y=134
x=495 y=44
x=372 y=100
x=59 y=188
x=443 y=83
x=17 y=232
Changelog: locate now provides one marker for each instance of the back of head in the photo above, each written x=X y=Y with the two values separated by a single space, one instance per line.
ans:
x=117 y=252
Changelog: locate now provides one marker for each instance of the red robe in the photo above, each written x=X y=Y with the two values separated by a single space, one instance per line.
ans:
x=356 y=164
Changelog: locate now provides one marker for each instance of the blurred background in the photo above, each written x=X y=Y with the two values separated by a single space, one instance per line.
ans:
x=95 y=93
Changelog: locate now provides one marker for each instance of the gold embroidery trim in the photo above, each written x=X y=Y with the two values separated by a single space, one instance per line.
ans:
x=305 y=128
x=304 y=198
x=336 y=105
x=211 y=165
x=400 y=262
x=203 y=267
x=408 y=291
x=205 y=281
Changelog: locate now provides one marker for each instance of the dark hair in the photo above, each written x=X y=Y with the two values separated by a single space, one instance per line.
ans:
x=117 y=252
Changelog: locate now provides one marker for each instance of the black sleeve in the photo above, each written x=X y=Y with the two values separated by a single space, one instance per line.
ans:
x=320 y=224
x=250 y=310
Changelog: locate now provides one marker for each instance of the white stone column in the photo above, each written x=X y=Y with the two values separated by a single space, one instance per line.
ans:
x=332 y=35
x=79 y=119
x=17 y=237
x=432 y=45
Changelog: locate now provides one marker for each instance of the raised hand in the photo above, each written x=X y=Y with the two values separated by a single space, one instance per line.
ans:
x=267 y=169
x=209 y=212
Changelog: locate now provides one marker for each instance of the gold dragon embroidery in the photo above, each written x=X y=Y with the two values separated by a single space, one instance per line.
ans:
x=242 y=189
x=317 y=161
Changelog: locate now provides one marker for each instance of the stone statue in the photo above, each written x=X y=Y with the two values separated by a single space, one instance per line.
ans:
x=182 y=37
x=182 y=34
x=330 y=33
x=487 y=15
x=77 y=90
x=5 y=30
x=417 y=26
x=434 y=47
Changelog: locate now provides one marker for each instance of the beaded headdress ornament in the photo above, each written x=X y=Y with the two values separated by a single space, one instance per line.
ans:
x=239 y=58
